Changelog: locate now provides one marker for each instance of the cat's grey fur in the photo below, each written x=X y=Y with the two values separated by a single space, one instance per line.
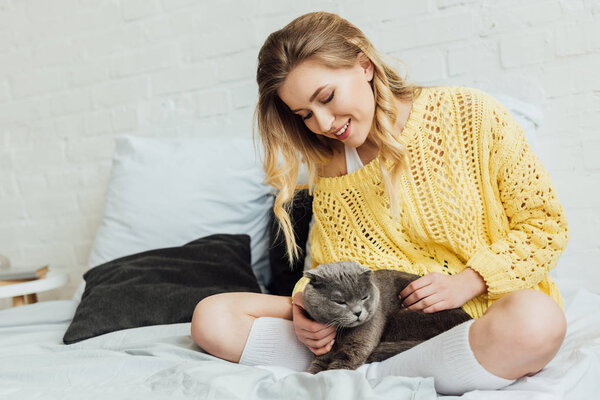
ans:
x=371 y=324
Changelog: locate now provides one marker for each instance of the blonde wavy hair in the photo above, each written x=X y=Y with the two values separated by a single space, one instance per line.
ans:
x=334 y=42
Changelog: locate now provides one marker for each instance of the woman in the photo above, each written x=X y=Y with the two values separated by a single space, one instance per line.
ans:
x=435 y=181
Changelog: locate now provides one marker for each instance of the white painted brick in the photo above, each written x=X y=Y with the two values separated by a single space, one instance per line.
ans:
x=587 y=76
x=33 y=184
x=14 y=62
x=424 y=65
x=28 y=110
x=54 y=51
x=8 y=185
x=146 y=60
x=6 y=40
x=105 y=43
x=125 y=119
x=11 y=210
x=63 y=229
x=82 y=254
x=238 y=66
x=91 y=202
x=62 y=181
x=72 y=101
x=590 y=154
x=4 y=92
x=6 y=160
x=183 y=79
x=443 y=4
x=36 y=82
x=214 y=14
x=175 y=4
x=41 y=155
x=502 y=17
x=524 y=49
x=401 y=9
x=471 y=58
x=211 y=102
x=56 y=255
x=558 y=79
x=580 y=189
x=97 y=122
x=411 y=34
x=122 y=91
x=86 y=74
x=219 y=43
x=137 y=9
x=356 y=11
x=571 y=40
x=40 y=9
x=71 y=126
x=90 y=149
x=51 y=205
x=244 y=95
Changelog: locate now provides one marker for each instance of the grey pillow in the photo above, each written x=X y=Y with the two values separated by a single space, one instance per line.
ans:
x=161 y=286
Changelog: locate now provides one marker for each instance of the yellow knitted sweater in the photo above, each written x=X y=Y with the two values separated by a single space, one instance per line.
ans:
x=475 y=196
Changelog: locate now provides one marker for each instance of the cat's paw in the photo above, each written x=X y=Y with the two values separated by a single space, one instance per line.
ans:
x=344 y=364
x=317 y=366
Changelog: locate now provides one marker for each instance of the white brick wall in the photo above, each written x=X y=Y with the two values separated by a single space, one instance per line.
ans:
x=76 y=73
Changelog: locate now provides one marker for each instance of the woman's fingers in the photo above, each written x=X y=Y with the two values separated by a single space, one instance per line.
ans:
x=418 y=295
x=316 y=336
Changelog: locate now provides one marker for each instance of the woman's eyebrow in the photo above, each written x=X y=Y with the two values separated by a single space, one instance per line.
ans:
x=315 y=94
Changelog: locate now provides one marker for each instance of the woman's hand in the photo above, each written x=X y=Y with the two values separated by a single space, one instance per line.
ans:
x=436 y=292
x=316 y=336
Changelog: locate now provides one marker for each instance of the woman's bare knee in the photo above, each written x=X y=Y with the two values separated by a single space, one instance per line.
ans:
x=219 y=328
x=519 y=334
x=221 y=323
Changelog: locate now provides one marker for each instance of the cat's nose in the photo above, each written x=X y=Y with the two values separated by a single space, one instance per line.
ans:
x=357 y=313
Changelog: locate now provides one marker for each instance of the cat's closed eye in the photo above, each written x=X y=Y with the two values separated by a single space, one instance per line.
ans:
x=340 y=302
x=366 y=298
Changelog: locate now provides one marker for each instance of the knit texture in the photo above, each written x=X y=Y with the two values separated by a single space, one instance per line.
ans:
x=475 y=195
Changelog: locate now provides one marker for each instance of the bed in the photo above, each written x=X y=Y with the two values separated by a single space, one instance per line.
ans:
x=157 y=199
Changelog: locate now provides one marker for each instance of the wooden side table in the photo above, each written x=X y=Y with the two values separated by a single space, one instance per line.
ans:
x=26 y=292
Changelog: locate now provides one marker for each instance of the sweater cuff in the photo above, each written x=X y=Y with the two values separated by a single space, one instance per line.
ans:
x=300 y=285
x=495 y=271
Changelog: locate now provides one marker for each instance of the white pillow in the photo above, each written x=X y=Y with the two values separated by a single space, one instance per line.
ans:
x=167 y=192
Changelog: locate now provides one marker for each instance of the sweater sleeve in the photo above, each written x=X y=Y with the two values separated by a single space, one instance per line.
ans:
x=300 y=285
x=537 y=225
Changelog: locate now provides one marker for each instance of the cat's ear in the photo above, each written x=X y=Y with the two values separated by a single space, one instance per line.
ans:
x=368 y=272
x=315 y=280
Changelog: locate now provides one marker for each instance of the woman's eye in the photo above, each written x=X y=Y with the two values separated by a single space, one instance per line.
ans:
x=324 y=102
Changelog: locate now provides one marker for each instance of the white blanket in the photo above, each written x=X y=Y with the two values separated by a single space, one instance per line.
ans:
x=162 y=362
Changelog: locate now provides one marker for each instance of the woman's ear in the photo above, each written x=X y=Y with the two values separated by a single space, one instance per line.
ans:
x=367 y=65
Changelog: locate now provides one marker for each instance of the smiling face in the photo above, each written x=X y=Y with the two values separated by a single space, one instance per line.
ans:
x=334 y=102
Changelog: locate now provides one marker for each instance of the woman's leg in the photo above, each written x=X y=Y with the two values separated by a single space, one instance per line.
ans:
x=221 y=323
x=519 y=334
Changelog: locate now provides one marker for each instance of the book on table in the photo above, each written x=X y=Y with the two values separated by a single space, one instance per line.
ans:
x=23 y=275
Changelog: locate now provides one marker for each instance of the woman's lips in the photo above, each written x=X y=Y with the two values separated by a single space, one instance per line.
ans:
x=344 y=135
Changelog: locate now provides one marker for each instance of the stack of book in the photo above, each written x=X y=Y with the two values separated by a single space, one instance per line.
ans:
x=11 y=277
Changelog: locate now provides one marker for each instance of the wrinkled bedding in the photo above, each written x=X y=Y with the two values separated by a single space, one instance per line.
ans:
x=162 y=362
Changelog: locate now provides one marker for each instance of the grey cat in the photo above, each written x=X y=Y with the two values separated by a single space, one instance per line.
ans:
x=365 y=307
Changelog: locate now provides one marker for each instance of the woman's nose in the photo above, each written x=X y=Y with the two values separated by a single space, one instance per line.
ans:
x=324 y=121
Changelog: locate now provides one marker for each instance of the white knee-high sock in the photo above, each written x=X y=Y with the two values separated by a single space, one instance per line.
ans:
x=447 y=357
x=272 y=341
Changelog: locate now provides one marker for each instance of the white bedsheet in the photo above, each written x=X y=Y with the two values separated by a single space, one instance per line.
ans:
x=162 y=362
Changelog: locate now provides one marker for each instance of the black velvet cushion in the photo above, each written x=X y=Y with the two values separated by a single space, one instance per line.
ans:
x=284 y=275
x=161 y=286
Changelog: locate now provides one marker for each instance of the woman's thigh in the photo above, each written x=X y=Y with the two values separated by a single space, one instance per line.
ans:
x=221 y=323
